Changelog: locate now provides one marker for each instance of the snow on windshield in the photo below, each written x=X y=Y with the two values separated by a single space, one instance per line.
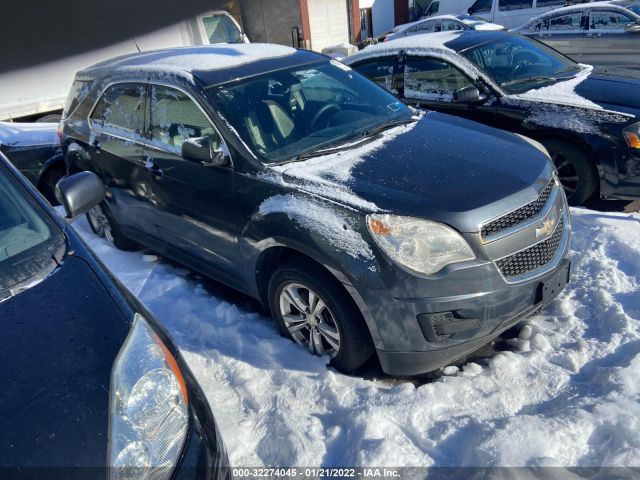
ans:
x=319 y=217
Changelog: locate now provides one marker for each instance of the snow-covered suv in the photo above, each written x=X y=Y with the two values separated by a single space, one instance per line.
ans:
x=285 y=174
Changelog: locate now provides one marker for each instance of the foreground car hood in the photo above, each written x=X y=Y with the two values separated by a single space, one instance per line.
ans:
x=613 y=89
x=442 y=167
x=59 y=341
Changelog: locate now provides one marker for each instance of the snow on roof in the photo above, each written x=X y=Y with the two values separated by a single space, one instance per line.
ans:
x=207 y=57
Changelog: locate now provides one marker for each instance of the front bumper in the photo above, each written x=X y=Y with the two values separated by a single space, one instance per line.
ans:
x=499 y=311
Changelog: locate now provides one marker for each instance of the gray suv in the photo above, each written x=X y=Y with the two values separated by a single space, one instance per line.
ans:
x=363 y=226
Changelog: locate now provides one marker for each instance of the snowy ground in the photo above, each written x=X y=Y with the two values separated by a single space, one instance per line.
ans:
x=566 y=394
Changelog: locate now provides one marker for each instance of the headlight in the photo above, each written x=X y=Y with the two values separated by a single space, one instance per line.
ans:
x=632 y=135
x=421 y=245
x=148 y=411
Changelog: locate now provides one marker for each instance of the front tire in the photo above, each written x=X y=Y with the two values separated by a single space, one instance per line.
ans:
x=576 y=171
x=313 y=309
x=104 y=225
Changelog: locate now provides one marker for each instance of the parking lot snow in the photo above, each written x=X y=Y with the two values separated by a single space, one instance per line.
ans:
x=565 y=394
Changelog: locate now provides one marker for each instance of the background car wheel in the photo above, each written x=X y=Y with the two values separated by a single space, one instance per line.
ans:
x=52 y=118
x=313 y=309
x=48 y=183
x=102 y=224
x=576 y=171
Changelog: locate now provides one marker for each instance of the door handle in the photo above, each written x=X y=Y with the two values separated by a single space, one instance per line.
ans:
x=594 y=35
x=153 y=169
x=96 y=145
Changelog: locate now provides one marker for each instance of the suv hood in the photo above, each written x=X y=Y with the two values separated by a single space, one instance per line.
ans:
x=441 y=167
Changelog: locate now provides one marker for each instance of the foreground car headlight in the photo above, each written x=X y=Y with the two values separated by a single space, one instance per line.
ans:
x=148 y=411
x=632 y=135
x=420 y=245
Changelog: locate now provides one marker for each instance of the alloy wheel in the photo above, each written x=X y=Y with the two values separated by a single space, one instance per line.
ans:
x=567 y=173
x=309 y=320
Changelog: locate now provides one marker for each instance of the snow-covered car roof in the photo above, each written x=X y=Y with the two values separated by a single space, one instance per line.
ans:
x=211 y=63
x=463 y=17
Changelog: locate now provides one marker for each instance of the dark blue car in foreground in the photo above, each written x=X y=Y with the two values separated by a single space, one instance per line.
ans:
x=90 y=385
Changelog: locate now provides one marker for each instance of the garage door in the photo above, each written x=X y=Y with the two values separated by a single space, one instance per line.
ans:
x=329 y=23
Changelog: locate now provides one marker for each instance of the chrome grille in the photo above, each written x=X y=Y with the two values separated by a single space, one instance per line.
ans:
x=519 y=215
x=533 y=257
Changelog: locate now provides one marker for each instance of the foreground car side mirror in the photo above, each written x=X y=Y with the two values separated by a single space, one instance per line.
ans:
x=468 y=94
x=79 y=193
x=632 y=27
x=200 y=150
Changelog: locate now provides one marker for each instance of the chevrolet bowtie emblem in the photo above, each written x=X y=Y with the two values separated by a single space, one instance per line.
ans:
x=547 y=226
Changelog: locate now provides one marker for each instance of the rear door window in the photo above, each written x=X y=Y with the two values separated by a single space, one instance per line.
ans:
x=174 y=118
x=432 y=79
x=121 y=110
x=608 y=20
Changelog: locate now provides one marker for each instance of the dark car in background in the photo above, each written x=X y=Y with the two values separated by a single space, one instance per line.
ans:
x=587 y=118
x=296 y=180
x=599 y=33
x=90 y=386
x=34 y=148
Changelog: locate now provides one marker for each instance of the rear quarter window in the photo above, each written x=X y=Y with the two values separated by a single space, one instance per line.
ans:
x=79 y=91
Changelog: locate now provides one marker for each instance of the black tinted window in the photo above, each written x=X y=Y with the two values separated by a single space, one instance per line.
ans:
x=121 y=108
x=432 y=79
x=481 y=6
x=379 y=70
x=514 y=4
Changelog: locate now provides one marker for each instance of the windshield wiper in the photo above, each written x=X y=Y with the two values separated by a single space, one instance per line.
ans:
x=386 y=126
x=530 y=79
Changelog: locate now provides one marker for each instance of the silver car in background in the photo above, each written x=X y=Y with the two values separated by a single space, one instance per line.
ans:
x=441 y=23
x=598 y=33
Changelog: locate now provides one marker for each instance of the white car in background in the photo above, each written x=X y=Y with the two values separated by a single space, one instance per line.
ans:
x=512 y=13
x=441 y=23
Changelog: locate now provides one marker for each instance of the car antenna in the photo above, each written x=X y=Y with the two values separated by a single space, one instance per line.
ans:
x=136 y=44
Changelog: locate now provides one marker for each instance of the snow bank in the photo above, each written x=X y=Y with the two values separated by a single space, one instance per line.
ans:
x=566 y=394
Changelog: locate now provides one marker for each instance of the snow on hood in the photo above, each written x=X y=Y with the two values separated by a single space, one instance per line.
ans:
x=563 y=93
x=485 y=26
x=318 y=217
x=329 y=175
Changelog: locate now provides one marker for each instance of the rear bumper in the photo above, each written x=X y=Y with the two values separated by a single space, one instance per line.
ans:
x=493 y=313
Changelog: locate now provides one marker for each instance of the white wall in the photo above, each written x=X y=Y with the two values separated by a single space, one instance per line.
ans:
x=381 y=13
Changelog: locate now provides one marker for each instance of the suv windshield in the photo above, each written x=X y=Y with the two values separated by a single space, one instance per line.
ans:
x=633 y=6
x=519 y=64
x=29 y=239
x=292 y=112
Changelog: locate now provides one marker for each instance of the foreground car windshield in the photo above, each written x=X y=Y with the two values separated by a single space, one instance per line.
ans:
x=519 y=64
x=29 y=240
x=284 y=114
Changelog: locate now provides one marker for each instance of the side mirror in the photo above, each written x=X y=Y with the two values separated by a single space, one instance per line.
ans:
x=200 y=150
x=79 y=193
x=632 y=27
x=468 y=94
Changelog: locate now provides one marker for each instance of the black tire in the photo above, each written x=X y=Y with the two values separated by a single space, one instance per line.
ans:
x=355 y=345
x=109 y=230
x=576 y=170
x=48 y=182
x=52 y=118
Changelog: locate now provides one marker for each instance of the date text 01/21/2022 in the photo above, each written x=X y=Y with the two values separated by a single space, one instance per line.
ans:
x=315 y=472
